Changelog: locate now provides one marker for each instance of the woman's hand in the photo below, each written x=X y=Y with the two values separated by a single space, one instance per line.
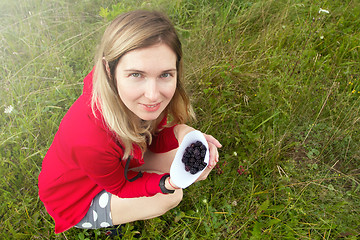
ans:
x=214 y=144
x=182 y=129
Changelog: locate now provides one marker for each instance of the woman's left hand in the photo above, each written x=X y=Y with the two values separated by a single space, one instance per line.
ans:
x=182 y=129
x=214 y=144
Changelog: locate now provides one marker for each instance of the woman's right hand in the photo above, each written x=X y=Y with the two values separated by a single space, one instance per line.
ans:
x=181 y=130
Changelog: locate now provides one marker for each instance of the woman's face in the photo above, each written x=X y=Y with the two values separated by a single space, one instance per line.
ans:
x=146 y=80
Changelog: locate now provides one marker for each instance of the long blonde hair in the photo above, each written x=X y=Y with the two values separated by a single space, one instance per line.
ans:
x=130 y=31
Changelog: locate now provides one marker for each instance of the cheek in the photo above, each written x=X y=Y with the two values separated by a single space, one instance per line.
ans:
x=126 y=96
x=171 y=91
x=173 y=87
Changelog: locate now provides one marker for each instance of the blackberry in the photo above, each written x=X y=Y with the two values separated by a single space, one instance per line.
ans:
x=194 y=156
x=196 y=152
x=193 y=170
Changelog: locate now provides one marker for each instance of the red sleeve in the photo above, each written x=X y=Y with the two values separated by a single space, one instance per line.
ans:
x=107 y=171
x=164 y=141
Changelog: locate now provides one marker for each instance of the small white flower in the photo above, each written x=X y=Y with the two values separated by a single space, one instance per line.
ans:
x=8 y=109
x=321 y=37
x=205 y=201
x=235 y=154
x=323 y=10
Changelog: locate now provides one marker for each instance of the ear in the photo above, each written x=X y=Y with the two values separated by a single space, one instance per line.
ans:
x=107 y=68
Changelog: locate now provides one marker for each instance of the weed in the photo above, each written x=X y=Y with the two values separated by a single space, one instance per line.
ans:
x=277 y=82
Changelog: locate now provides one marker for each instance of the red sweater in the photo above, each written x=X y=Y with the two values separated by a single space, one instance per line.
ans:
x=85 y=158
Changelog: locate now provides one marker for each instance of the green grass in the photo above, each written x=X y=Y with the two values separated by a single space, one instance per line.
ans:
x=277 y=82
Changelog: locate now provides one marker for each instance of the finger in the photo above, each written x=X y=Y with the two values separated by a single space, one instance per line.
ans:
x=215 y=156
x=212 y=155
x=213 y=140
x=204 y=174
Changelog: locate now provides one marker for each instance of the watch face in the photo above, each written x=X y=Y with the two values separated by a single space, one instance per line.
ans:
x=181 y=175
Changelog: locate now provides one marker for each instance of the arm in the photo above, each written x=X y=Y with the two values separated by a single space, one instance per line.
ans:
x=105 y=167
x=161 y=161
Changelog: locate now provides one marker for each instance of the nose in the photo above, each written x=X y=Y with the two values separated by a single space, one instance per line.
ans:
x=152 y=90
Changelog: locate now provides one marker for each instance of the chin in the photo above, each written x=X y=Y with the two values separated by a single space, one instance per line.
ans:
x=149 y=117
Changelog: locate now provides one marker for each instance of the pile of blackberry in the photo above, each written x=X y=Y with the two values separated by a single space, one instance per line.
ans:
x=194 y=156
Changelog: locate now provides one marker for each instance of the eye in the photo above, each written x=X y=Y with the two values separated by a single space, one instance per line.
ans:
x=135 y=75
x=166 y=75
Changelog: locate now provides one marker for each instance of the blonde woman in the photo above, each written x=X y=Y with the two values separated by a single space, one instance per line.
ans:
x=109 y=161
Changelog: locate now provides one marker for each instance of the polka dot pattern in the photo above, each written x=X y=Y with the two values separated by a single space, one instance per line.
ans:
x=104 y=224
x=104 y=199
x=86 y=225
x=99 y=214
x=95 y=215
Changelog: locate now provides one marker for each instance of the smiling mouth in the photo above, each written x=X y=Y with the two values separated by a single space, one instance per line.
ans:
x=151 y=107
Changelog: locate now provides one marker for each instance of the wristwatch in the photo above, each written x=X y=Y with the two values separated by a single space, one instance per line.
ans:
x=162 y=185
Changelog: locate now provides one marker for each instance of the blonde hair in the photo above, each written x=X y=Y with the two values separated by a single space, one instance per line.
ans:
x=130 y=31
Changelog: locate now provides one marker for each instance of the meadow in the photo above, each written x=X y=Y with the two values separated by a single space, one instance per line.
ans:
x=277 y=82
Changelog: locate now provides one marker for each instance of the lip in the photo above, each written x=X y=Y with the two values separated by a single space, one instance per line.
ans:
x=151 y=107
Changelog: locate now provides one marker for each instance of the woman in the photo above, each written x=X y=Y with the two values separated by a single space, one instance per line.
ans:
x=109 y=161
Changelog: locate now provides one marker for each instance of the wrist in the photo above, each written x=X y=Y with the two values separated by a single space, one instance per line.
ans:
x=164 y=185
x=181 y=130
x=170 y=184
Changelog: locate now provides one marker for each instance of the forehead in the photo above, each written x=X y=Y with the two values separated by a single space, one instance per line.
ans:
x=159 y=56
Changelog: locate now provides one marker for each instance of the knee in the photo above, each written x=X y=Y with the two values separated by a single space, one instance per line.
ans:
x=173 y=199
x=178 y=196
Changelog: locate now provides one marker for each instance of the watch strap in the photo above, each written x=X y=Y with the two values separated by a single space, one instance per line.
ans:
x=162 y=185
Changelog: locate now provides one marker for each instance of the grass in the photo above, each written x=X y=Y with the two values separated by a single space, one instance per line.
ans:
x=277 y=82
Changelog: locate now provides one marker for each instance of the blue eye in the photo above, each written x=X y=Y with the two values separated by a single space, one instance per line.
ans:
x=136 y=75
x=165 y=75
